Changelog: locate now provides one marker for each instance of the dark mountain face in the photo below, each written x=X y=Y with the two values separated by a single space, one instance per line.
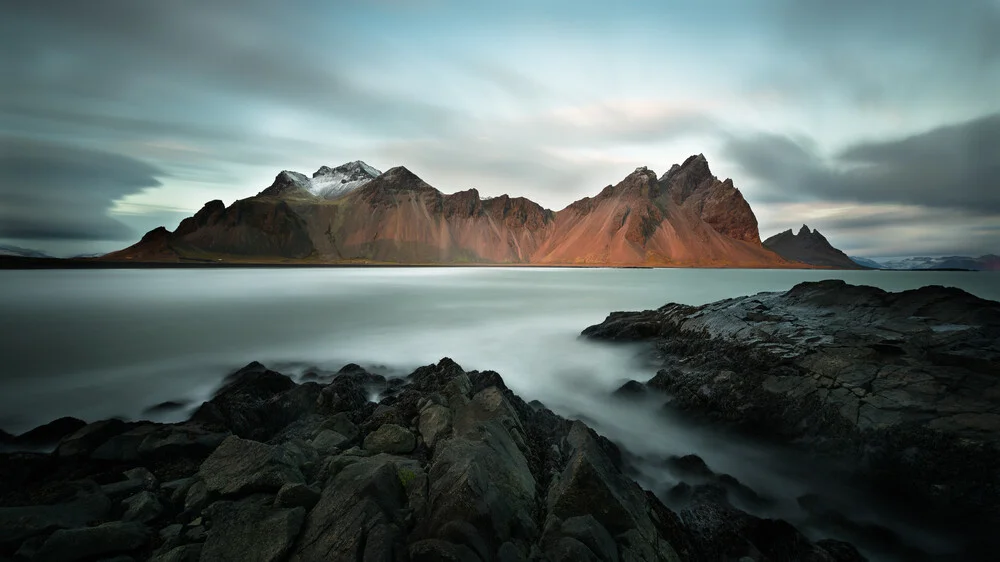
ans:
x=688 y=217
x=811 y=247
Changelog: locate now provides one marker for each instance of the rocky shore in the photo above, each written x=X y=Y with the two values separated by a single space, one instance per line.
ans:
x=902 y=389
x=447 y=465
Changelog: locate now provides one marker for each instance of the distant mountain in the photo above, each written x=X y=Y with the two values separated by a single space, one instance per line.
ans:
x=17 y=251
x=809 y=247
x=988 y=262
x=352 y=214
x=865 y=262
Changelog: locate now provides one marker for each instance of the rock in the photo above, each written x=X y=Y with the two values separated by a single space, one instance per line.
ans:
x=359 y=511
x=256 y=403
x=250 y=531
x=88 y=437
x=631 y=389
x=240 y=466
x=143 y=507
x=69 y=545
x=165 y=407
x=48 y=434
x=434 y=423
x=20 y=523
x=436 y=550
x=327 y=441
x=390 y=438
x=197 y=496
x=185 y=553
x=341 y=423
x=900 y=386
x=297 y=495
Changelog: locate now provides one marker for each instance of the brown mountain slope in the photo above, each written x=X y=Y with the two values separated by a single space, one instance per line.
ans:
x=811 y=247
x=686 y=218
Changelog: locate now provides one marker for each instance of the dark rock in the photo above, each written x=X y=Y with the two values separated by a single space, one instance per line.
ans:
x=88 y=437
x=390 y=438
x=251 y=531
x=165 y=407
x=297 y=495
x=328 y=441
x=900 y=386
x=240 y=466
x=50 y=433
x=256 y=403
x=631 y=389
x=68 y=545
x=143 y=507
x=436 y=550
x=20 y=523
x=184 y=553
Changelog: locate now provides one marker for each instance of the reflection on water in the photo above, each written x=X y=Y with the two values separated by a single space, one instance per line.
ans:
x=101 y=343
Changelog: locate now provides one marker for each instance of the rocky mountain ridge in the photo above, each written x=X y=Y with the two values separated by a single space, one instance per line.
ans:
x=687 y=217
x=809 y=246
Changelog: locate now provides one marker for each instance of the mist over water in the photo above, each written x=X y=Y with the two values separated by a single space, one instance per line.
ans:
x=101 y=343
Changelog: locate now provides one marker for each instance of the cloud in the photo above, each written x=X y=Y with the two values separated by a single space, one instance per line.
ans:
x=51 y=191
x=953 y=166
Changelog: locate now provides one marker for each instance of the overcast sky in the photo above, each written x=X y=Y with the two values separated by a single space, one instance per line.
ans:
x=877 y=122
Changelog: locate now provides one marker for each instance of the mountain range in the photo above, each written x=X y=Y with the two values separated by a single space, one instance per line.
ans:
x=989 y=262
x=355 y=214
x=810 y=247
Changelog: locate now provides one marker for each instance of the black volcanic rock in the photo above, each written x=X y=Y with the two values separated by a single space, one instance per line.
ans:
x=904 y=387
x=811 y=247
x=481 y=476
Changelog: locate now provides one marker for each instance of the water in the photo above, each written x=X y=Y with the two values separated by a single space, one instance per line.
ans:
x=100 y=343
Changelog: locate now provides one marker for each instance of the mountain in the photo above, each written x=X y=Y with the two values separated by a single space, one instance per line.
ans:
x=810 y=247
x=988 y=262
x=17 y=251
x=865 y=262
x=352 y=214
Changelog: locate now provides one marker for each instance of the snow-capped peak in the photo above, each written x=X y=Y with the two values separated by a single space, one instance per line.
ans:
x=331 y=183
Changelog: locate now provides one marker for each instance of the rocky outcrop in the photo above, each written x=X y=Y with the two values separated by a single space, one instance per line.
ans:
x=903 y=386
x=688 y=217
x=449 y=465
x=809 y=246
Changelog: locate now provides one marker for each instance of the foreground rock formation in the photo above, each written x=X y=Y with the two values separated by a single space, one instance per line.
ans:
x=809 y=246
x=903 y=387
x=449 y=465
x=687 y=217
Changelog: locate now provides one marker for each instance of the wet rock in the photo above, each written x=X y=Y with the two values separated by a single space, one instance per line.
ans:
x=240 y=466
x=390 y=438
x=328 y=441
x=251 y=531
x=631 y=389
x=901 y=386
x=69 y=545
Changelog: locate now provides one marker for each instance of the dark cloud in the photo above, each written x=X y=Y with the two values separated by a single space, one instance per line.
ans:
x=51 y=191
x=952 y=167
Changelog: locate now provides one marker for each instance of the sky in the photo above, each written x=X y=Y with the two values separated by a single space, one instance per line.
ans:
x=875 y=121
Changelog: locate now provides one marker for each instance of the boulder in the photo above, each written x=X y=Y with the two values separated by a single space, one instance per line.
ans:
x=251 y=531
x=143 y=507
x=390 y=438
x=70 y=545
x=184 y=553
x=297 y=495
x=20 y=523
x=88 y=437
x=434 y=423
x=240 y=466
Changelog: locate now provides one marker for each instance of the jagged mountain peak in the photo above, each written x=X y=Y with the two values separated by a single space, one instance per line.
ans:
x=804 y=231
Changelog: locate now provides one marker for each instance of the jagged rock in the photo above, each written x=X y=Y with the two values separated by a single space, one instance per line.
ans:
x=143 y=507
x=47 y=434
x=297 y=495
x=20 y=523
x=85 y=439
x=390 y=438
x=240 y=466
x=184 y=553
x=902 y=385
x=69 y=545
x=328 y=441
x=251 y=531
x=434 y=423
